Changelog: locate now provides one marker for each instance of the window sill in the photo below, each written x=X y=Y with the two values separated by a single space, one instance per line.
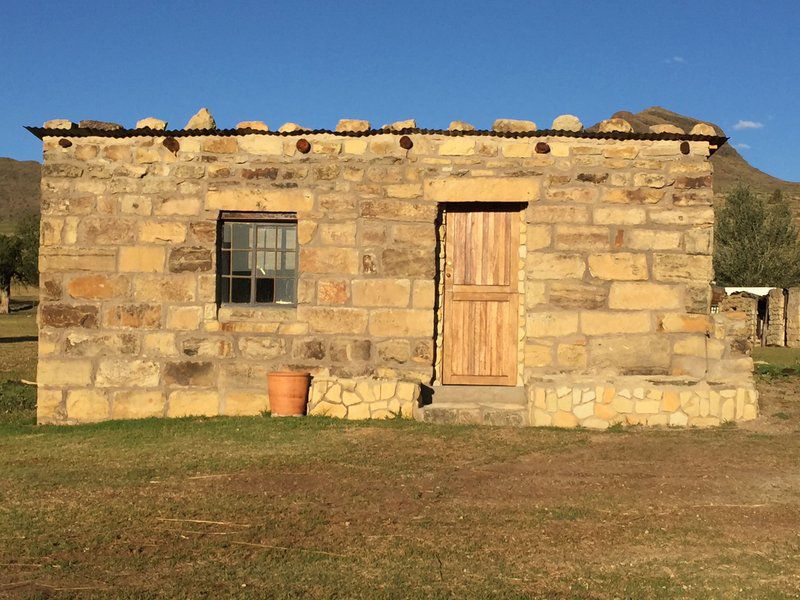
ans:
x=281 y=313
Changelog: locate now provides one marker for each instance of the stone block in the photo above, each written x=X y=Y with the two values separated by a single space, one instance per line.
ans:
x=161 y=232
x=339 y=320
x=248 y=199
x=142 y=259
x=193 y=403
x=546 y=265
x=631 y=354
x=635 y=296
x=482 y=189
x=595 y=322
x=652 y=239
x=185 y=318
x=49 y=406
x=178 y=206
x=408 y=262
x=127 y=372
x=612 y=215
x=77 y=259
x=261 y=347
x=682 y=267
x=333 y=291
x=633 y=195
x=618 y=266
x=189 y=373
x=683 y=323
x=385 y=293
x=245 y=403
x=582 y=237
x=552 y=324
x=571 y=356
x=334 y=261
x=165 y=288
x=137 y=316
x=87 y=406
x=190 y=259
x=575 y=294
x=337 y=234
x=98 y=287
x=538 y=355
x=131 y=404
x=558 y=214
x=68 y=315
x=83 y=343
x=395 y=322
x=63 y=372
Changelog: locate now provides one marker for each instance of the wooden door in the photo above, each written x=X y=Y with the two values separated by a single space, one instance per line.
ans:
x=480 y=295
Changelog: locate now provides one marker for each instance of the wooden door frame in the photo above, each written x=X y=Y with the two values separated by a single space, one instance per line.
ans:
x=511 y=294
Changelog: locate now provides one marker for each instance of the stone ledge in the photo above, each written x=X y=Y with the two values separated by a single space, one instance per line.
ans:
x=362 y=398
x=595 y=406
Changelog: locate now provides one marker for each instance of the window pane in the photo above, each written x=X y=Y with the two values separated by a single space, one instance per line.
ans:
x=265 y=290
x=271 y=237
x=286 y=267
x=226 y=235
x=225 y=263
x=242 y=263
x=240 y=289
x=265 y=263
x=290 y=238
x=284 y=291
x=242 y=235
x=225 y=289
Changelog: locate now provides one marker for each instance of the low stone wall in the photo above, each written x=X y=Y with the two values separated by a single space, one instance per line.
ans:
x=637 y=403
x=362 y=398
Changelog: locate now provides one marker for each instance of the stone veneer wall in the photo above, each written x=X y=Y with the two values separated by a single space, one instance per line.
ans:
x=617 y=265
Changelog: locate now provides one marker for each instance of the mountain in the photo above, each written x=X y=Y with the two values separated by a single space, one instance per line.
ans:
x=19 y=190
x=730 y=167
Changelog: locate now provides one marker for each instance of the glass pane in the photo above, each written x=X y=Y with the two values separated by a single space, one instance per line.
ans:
x=265 y=290
x=284 y=291
x=242 y=263
x=240 y=289
x=286 y=264
x=271 y=237
x=290 y=237
x=242 y=235
x=225 y=263
x=226 y=235
x=261 y=236
x=267 y=262
x=224 y=289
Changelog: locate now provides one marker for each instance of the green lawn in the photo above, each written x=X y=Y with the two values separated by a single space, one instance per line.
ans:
x=779 y=357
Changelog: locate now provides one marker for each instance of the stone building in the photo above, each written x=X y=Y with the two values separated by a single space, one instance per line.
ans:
x=513 y=275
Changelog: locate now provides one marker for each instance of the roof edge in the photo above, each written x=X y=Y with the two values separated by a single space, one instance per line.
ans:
x=42 y=132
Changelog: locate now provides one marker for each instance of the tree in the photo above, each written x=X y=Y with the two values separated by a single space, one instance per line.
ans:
x=19 y=258
x=755 y=243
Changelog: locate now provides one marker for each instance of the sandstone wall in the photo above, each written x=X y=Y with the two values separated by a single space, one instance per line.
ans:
x=776 y=318
x=616 y=265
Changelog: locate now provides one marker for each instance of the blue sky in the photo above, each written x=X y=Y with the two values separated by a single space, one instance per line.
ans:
x=729 y=62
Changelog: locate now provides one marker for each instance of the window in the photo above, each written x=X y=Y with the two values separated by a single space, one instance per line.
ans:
x=257 y=258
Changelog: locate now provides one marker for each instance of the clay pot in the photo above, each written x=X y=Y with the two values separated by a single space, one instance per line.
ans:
x=288 y=393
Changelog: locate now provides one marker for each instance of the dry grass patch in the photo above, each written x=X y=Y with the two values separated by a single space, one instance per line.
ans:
x=324 y=508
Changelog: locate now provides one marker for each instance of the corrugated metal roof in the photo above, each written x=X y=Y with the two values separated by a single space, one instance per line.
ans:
x=42 y=132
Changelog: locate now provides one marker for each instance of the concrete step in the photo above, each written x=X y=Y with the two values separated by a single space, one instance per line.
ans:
x=470 y=404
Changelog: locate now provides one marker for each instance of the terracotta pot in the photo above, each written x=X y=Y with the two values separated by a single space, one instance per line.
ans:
x=288 y=393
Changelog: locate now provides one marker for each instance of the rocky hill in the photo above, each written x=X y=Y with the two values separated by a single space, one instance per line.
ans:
x=19 y=191
x=730 y=167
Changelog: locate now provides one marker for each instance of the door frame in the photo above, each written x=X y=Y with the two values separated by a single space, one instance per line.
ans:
x=449 y=292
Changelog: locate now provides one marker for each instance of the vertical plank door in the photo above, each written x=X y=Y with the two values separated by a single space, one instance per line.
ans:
x=480 y=296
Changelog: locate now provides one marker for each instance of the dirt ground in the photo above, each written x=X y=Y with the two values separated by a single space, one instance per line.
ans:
x=260 y=507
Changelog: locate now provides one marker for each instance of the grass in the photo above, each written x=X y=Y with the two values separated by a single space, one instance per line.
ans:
x=321 y=508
